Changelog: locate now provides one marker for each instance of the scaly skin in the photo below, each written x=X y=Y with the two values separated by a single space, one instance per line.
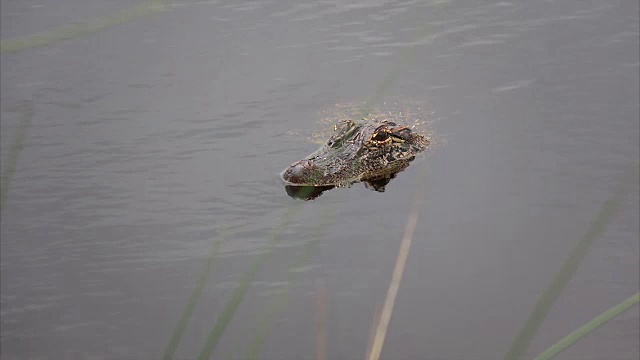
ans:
x=357 y=151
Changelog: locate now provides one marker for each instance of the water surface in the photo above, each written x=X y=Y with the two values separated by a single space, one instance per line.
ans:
x=151 y=141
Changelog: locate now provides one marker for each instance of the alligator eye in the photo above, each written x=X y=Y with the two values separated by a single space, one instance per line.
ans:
x=381 y=136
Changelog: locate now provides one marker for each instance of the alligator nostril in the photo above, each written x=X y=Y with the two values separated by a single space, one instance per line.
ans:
x=298 y=172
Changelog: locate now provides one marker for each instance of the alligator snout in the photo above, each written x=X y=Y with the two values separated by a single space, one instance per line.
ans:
x=301 y=172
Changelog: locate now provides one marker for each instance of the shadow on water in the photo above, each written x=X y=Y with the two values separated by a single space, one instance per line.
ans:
x=312 y=192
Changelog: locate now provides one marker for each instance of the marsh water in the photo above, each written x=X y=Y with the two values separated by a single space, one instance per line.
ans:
x=141 y=160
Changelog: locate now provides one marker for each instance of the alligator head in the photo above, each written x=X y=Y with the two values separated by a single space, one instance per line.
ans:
x=358 y=151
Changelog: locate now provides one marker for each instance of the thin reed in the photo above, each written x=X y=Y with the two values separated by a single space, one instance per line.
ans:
x=544 y=304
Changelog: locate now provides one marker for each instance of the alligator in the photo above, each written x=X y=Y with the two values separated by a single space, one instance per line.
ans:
x=368 y=151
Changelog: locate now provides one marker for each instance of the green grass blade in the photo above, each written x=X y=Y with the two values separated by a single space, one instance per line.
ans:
x=26 y=112
x=546 y=300
x=406 y=56
x=588 y=328
x=279 y=303
x=240 y=291
x=181 y=325
x=72 y=31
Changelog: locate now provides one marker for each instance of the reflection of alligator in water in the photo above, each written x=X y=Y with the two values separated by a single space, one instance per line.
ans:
x=311 y=192
x=372 y=152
